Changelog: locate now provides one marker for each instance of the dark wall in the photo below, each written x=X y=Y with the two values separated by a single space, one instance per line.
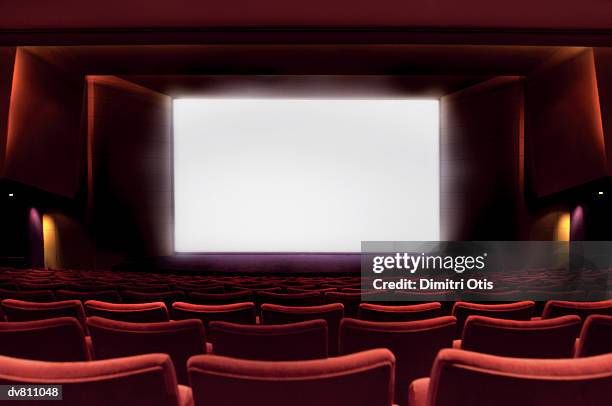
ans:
x=485 y=176
x=130 y=176
x=7 y=63
x=481 y=161
x=563 y=126
x=45 y=142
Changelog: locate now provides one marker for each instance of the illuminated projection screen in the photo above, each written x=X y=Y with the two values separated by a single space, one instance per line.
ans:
x=304 y=175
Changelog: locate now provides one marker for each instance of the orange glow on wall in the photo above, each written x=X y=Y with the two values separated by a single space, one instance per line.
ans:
x=51 y=242
x=562 y=229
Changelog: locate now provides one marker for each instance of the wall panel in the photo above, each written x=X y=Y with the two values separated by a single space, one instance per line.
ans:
x=130 y=172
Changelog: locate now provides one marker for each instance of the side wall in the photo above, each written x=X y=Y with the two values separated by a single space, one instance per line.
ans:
x=130 y=174
x=484 y=193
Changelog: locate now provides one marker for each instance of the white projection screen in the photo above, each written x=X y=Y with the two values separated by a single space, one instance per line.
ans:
x=304 y=175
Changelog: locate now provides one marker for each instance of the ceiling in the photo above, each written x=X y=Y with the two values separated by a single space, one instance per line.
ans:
x=366 y=70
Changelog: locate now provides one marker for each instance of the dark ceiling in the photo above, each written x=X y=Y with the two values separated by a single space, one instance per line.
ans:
x=397 y=69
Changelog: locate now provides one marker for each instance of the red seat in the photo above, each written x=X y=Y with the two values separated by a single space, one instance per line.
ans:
x=220 y=298
x=460 y=378
x=135 y=312
x=202 y=288
x=596 y=336
x=553 y=338
x=374 y=312
x=29 y=295
x=556 y=308
x=286 y=342
x=141 y=380
x=241 y=313
x=331 y=313
x=364 y=379
x=57 y=339
x=414 y=344
x=512 y=311
x=180 y=339
x=19 y=310
x=102 y=295
x=290 y=299
x=168 y=297
x=350 y=301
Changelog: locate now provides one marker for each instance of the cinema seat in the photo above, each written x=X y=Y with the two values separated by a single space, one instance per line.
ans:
x=512 y=311
x=220 y=298
x=556 y=308
x=140 y=380
x=363 y=379
x=90 y=286
x=168 y=297
x=350 y=301
x=375 y=312
x=19 y=310
x=331 y=313
x=552 y=338
x=29 y=295
x=180 y=339
x=286 y=342
x=596 y=336
x=241 y=313
x=56 y=339
x=135 y=312
x=102 y=295
x=290 y=299
x=413 y=343
x=460 y=378
x=202 y=288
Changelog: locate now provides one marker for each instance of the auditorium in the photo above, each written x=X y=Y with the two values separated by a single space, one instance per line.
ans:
x=330 y=203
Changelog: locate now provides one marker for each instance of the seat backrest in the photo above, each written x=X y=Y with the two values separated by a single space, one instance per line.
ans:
x=414 y=344
x=375 y=312
x=241 y=313
x=364 y=379
x=556 y=308
x=332 y=313
x=512 y=311
x=140 y=380
x=220 y=298
x=29 y=295
x=285 y=342
x=596 y=336
x=468 y=378
x=19 y=310
x=180 y=339
x=167 y=297
x=552 y=338
x=350 y=301
x=290 y=299
x=57 y=339
x=102 y=295
x=132 y=312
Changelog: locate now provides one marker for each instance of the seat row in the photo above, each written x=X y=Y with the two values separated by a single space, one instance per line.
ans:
x=362 y=379
x=247 y=312
x=414 y=343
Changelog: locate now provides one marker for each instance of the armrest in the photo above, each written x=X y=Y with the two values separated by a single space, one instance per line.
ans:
x=417 y=393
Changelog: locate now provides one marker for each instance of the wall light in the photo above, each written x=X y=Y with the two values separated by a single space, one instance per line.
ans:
x=11 y=195
x=600 y=193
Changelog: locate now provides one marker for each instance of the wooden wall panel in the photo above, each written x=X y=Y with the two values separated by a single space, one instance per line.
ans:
x=44 y=145
x=131 y=174
x=563 y=126
x=7 y=64
x=480 y=159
